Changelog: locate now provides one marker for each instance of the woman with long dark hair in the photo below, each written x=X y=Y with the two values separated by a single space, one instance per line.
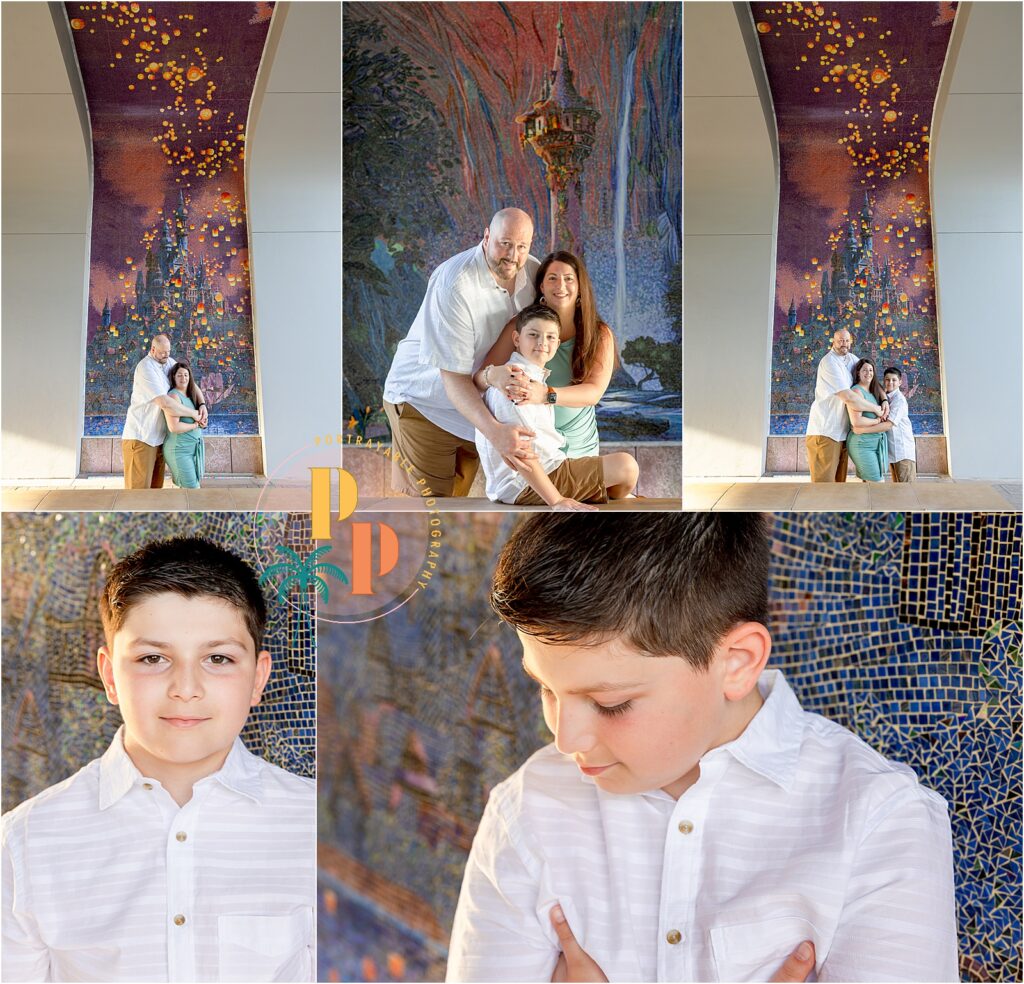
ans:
x=183 y=448
x=580 y=369
x=866 y=444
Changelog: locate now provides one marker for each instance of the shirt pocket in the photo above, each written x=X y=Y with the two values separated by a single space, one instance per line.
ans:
x=266 y=948
x=748 y=947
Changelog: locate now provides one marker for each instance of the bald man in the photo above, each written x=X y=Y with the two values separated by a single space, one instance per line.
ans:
x=429 y=397
x=828 y=425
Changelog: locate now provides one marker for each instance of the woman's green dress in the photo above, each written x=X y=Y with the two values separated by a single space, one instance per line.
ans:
x=184 y=452
x=868 y=452
x=578 y=425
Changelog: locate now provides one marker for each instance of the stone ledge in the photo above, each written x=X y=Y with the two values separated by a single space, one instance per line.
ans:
x=788 y=456
x=239 y=455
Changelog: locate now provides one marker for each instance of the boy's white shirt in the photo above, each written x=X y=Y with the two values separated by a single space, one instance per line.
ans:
x=796 y=830
x=900 y=438
x=96 y=868
x=505 y=484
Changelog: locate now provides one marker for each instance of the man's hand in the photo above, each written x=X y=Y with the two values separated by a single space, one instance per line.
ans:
x=576 y=965
x=513 y=441
x=573 y=964
x=571 y=505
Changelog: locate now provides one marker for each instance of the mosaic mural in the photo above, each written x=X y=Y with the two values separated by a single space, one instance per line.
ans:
x=905 y=629
x=463 y=95
x=168 y=87
x=853 y=87
x=56 y=717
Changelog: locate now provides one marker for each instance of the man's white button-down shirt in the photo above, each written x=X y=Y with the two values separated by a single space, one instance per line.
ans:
x=461 y=317
x=796 y=830
x=828 y=416
x=144 y=420
x=901 y=438
x=106 y=878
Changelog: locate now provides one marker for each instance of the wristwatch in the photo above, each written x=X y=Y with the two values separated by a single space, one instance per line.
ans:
x=552 y=395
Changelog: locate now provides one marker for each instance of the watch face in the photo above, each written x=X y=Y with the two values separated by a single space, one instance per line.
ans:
x=552 y=396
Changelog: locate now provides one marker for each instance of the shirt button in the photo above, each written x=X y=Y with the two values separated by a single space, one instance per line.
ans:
x=147 y=785
x=685 y=827
x=179 y=920
x=673 y=936
x=181 y=836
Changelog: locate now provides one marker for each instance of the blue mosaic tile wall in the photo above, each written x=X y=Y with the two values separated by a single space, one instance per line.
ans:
x=55 y=715
x=905 y=629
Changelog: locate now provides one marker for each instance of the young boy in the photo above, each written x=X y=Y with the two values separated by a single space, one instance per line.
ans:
x=177 y=855
x=690 y=821
x=902 y=457
x=563 y=483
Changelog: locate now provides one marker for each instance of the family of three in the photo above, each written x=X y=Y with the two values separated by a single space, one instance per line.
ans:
x=503 y=366
x=856 y=417
x=165 y=422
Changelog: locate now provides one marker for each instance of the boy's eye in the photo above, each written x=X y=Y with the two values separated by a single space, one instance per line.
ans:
x=544 y=692
x=151 y=659
x=614 y=711
x=219 y=659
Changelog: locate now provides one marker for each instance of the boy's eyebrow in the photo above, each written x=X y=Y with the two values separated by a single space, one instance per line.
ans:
x=158 y=644
x=595 y=689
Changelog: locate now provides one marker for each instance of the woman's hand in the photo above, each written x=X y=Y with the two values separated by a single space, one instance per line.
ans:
x=572 y=505
x=525 y=390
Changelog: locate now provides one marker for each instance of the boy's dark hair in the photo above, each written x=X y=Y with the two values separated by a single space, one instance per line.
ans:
x=892 y=369
x=671 y=585
x=536 y=312
x=190 y=566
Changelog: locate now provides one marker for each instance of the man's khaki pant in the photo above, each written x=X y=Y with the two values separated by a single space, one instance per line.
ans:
x=903 y=471
x=143 y=465
x=446 y=463
x=826 y=458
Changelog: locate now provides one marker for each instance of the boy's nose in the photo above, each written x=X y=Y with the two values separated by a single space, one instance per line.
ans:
x=185 y=684
x=572 y=736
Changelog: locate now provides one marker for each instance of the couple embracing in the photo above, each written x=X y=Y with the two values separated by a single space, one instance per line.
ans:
x=504 y=364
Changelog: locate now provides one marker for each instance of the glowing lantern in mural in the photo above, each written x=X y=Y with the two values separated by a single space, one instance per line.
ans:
x=225 y=196
x=890 y=116
x=885 y=307
x=879 y=75
x=200 y=308
x=206 y=113
x=911 y=198
x=77 y=23
x=194 y=74
x=763 y=27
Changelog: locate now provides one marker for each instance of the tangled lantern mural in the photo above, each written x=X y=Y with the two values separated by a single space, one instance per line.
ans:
x=168 y=87
x=853 y=87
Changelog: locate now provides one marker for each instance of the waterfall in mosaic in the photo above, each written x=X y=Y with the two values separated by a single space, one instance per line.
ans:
x=168 y=87
x=906 y=629
x=853 y=88
x=572 y=113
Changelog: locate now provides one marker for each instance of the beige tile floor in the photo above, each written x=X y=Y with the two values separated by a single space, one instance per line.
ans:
x=774 y=493
x=238 y=493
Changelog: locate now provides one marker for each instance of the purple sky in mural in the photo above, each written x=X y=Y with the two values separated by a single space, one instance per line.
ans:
x=168 y=87
x=853 y=87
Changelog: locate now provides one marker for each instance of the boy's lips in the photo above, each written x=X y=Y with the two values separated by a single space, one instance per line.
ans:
x=184 y=722
x=594 y=770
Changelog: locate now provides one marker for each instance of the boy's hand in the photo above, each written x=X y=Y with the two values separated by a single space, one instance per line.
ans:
x=571 y=505
x=576 y=965
x=573 y=964
x=798 y=964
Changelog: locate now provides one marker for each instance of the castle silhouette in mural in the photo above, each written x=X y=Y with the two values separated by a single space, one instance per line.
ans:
x=176 y=292
x=561 y=127
x=864 y=292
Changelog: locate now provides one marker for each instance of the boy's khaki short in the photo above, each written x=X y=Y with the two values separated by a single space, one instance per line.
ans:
x=903 y=471
x=581 y=479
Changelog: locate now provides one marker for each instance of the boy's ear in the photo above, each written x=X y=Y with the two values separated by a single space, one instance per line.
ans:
x=263 y=667
x=105 y=665
x=745 y=650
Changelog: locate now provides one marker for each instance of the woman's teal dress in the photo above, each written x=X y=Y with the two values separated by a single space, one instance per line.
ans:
x=869 y=452
x=184 y=452
x=578 y=425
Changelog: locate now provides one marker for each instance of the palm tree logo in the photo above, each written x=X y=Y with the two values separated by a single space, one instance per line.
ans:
x=302 y=572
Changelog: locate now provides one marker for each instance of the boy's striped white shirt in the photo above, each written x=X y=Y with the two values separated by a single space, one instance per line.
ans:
x=796 y=830
x=106 y=878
